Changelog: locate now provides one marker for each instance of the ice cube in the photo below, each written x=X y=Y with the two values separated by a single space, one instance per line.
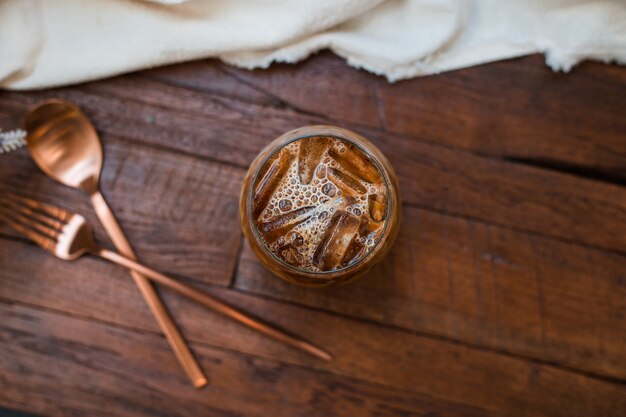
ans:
x=272 y=173
x=334 y=244
x=346 y=182
x=377 y=206
x=309 y=155
x=356 y=163
x=354 y=251
x=282 y=224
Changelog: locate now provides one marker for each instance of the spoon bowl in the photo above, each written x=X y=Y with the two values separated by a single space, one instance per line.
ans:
x=64 y=144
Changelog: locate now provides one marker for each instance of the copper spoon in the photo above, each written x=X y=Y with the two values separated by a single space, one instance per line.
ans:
x=65 y=145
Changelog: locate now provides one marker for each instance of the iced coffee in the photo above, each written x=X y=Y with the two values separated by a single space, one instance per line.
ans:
x=319 y=203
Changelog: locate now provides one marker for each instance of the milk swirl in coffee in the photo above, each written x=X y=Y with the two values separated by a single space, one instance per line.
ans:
x=320 y=203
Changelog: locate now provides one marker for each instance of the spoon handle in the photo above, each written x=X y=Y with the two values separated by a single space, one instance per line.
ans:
x=214 y=304
x=168 y=327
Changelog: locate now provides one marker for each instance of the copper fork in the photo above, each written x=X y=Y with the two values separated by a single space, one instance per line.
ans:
x=69 y=236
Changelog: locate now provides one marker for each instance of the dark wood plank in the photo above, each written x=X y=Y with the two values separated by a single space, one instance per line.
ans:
x=488 y=286
x=397 y=359
x=66 y=366
x=432 y=177
x=516 y=109
x=180 y=213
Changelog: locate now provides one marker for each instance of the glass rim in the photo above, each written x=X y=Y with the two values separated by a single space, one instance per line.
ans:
x=302 y=270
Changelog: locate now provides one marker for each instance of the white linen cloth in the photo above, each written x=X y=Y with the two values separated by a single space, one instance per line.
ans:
x=46 y=43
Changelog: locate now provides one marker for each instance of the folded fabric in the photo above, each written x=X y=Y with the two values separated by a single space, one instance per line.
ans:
x=51 y=43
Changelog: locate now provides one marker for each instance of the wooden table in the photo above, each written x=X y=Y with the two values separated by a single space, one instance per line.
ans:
x=505 y=293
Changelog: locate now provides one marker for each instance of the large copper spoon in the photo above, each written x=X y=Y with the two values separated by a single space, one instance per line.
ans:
x=65 y=145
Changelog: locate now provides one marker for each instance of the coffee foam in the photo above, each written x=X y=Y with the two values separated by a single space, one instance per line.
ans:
x=326 y=197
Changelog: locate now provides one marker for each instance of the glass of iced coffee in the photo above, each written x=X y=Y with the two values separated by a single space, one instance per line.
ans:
x=320 y=206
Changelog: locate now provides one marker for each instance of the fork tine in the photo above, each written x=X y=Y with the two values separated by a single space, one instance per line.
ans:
x=14 y=221
x=21 y=215
x=55 y=212
x=26 y=211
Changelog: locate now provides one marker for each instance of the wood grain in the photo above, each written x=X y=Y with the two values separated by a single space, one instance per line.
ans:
x=487 y=286
x=89 y=361
x=516 y=109
x=434 y=177
x=415 y=363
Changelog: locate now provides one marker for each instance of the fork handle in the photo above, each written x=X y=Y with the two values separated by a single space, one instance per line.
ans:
x=213 y=303
x=186 y=359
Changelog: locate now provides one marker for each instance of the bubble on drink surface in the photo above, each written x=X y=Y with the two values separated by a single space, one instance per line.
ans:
x=285 y=205
x=295 y=239
x=329 y=189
